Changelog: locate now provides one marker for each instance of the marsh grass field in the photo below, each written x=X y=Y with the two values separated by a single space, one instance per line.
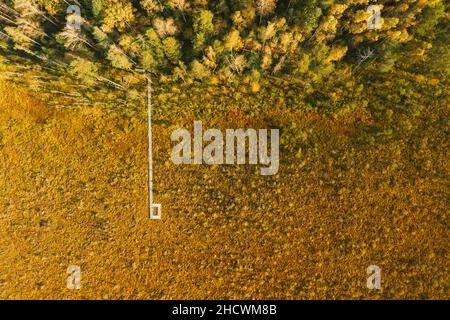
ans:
x=354 y=189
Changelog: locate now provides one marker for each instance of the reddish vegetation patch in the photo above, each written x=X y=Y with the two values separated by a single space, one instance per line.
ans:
x=73 y=192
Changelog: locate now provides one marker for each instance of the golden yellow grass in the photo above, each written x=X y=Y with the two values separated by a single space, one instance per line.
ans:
x=73 y=192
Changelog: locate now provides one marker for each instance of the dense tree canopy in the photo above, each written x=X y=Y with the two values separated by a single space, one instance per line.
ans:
x=216 y=41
